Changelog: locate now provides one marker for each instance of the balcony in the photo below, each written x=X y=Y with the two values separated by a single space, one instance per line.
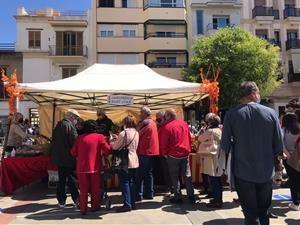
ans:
x=166 y=43
x=76 y=50
x=292 y=14
x=292 y=44
x=120 y=44
x=120 y=15
x=163 y=4
x=165 y=34
x=166 y=65
x=293 y=77
x=7 y=47
x=275 y=42
x=211 y=28
x=263 y=13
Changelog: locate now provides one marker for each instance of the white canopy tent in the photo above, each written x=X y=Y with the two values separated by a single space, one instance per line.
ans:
x=91 y=88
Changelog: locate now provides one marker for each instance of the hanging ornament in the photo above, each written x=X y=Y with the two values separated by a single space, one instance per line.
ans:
x=211 y=87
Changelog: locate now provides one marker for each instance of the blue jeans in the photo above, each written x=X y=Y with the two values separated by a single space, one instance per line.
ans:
x=255 y=200
x=127 y=187
x=144 y=177
x=217 y=188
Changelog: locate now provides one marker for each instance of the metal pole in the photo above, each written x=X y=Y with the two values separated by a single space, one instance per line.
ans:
x=53 y=116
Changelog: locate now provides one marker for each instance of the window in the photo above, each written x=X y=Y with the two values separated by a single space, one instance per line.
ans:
x=292 y=35
x=199 y=16
x=106 y=30
x=3 y=93
x=129 y=30
x=106 y=3
x=69 y=43
x=128 y=3
x=34 y=38
x=107 y=58
x=68 y=72
x=263 y=34
x=166 y=60
x=168 y=3
x=277 y=36
x=220 y=22
x=165 y=34
x=129 y=58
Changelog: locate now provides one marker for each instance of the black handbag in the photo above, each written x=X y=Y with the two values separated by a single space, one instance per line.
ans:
x=120 y=157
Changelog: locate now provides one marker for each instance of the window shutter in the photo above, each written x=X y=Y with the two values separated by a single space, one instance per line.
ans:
x=199 y=15
x=59 y=42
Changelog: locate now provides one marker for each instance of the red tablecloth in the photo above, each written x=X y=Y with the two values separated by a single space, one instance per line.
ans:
x=18 y=171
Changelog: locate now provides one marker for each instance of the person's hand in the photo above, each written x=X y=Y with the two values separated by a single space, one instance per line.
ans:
x=286 y=155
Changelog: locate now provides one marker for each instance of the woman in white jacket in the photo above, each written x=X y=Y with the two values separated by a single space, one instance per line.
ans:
x=212 y=160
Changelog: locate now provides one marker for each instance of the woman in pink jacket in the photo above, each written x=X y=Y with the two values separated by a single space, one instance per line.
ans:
x=129 y=137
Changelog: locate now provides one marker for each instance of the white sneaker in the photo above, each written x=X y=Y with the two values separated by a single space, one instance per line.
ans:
x=61 y=205
x=294 y=207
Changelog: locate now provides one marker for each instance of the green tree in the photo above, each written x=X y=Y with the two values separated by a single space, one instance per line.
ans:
x=241 y=57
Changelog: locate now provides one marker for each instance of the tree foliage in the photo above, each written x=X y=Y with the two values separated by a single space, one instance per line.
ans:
x=241 y=57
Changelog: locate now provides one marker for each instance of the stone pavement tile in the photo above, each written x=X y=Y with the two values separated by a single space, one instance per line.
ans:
x=38 y=205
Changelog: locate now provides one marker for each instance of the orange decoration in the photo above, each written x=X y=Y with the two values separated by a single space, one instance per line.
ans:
x=11 y=87
x=211 y=87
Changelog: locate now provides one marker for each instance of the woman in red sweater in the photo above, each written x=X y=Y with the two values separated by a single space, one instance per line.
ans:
x=89 y=148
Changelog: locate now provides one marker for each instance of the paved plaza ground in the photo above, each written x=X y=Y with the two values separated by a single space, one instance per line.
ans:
x=36 y=204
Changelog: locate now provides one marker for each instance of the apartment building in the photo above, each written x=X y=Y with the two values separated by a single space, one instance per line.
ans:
x=54 y=45
x=205 y=17
x=10 y=60
x=278 y=21
x=152 y=32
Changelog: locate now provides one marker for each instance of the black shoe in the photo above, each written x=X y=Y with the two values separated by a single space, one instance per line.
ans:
x=138 y=199
x=192 y=199
x=176 y=200
x=272 y=216
x=123 y=209
x=215 y=205
x=147 y=197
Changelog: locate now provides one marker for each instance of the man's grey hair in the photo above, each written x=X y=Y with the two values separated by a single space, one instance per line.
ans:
x=247 y=88
x=146 y=111
x=170 y=113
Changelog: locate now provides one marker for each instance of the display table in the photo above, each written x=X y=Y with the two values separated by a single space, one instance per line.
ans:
x=195 y=169
x=20 y=171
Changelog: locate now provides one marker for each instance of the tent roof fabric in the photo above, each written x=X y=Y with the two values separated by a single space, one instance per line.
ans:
x=91 y=87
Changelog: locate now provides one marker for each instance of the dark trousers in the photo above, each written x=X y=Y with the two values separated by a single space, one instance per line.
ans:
x=180 y=168
x=127 y=183
x=144 y=177
x=89 y=183
x=166 y=173
x=66 y=174
x=294 y=178
x=205 y=182
x=217 y=188
x=255 y=200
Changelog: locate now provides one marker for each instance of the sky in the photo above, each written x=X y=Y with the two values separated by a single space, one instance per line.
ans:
x=9 y=10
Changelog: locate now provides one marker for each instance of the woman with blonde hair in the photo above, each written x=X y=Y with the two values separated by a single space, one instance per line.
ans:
x=212 y=159
x=128 y=137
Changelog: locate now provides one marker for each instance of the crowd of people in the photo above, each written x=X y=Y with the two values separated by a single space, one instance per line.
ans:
x=144 y=140
x=248 y=146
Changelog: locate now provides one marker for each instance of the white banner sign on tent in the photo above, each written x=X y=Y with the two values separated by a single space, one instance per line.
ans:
x=120 y=100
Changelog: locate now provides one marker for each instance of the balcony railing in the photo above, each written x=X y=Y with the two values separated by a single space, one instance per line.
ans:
x=291 y=12
x=293 y=77
x=274 y=42
x=265 y=11
x=292 y=44
x=165 y=34
x=7 y=47
x=76 y=50
x=166 y=65
x=162 y=4
x=53 y=12
x=216 y=26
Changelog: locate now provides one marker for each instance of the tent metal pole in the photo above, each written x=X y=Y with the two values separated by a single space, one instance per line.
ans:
x=53 y=116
